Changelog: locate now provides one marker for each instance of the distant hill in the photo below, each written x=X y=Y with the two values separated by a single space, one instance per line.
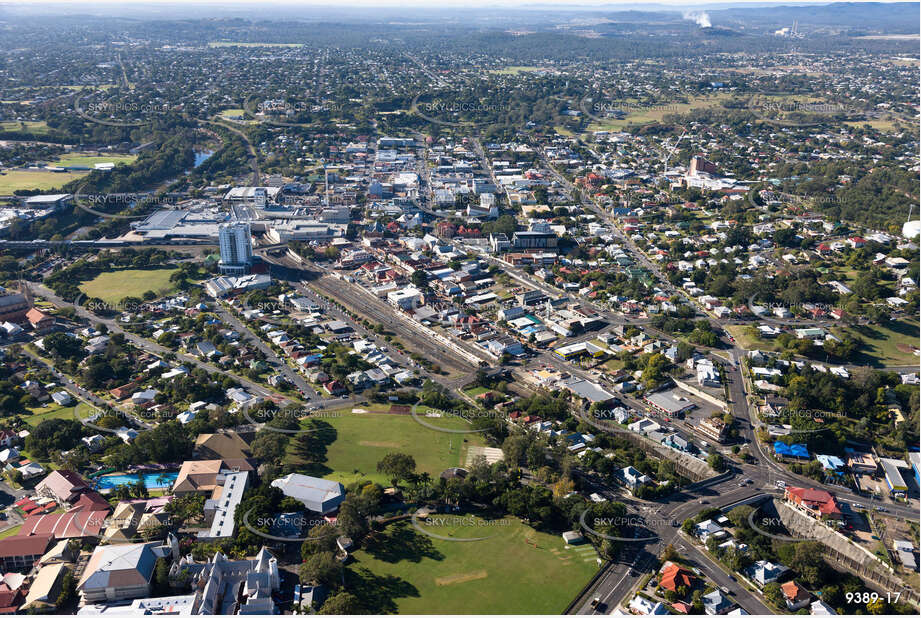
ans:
x=888 y=18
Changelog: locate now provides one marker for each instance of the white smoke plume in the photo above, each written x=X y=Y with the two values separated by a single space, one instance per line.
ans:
x=699 y=18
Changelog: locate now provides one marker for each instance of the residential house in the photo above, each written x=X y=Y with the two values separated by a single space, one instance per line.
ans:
x=62 y=398
x=821 y=608
x=632 y=478
x=795 y=595
x=715 y=603
x=705 y=529
x=644 y=607
x=40 y=322
x=764 y=572
x=674 y=576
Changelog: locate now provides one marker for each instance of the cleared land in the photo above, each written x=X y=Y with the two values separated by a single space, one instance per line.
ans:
x=356 y=442
x=114 y=286
x=14 y=180
x=406 y=571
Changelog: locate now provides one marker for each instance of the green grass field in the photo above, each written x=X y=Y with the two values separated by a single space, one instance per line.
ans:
x=356 y=442
x=477 y=390
x=11 y=531
x=235 y=116
x=53 y=410
x=90 y=160
x=116 y=285
x=886 y=344
x=751 y=341
x=38 y=128
x=515 y=570
x=13 y=180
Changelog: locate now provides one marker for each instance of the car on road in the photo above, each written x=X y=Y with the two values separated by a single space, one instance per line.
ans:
x=780 y=484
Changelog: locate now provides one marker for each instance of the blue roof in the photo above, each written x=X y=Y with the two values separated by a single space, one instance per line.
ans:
x=830 y=462
x=799 y=450
x=782 y=449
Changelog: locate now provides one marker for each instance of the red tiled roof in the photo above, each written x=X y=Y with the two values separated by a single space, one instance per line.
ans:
x=35 y=316
x=793 y=591
x=815 y=499
x=673 y=576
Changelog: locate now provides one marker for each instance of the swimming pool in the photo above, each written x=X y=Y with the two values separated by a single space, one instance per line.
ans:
x=152 y=480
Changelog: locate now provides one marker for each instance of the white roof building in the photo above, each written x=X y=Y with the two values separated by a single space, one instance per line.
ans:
x=821 y=608
x=318 y=495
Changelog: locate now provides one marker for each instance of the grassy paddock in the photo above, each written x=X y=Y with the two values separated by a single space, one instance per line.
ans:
x=116 y=285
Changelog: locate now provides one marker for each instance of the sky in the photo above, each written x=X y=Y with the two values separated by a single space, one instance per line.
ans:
x=423 y=3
